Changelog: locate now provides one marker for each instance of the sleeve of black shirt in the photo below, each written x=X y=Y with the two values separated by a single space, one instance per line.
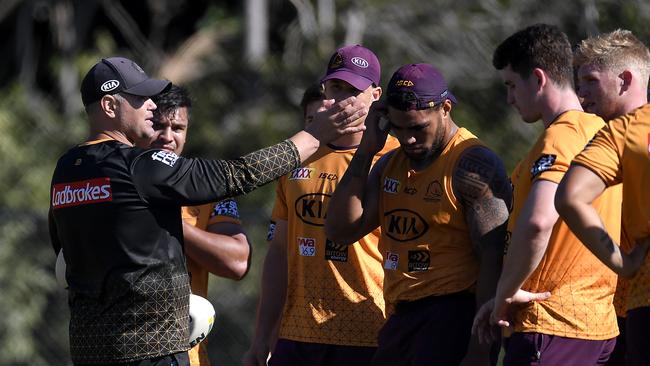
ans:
x=162 y=176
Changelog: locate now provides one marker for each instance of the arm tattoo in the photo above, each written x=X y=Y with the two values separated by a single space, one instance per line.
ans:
x=481 y=185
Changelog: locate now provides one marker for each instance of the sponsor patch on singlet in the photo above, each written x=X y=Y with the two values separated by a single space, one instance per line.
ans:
x=226 y=208
x=391 y=185
x=392 y=260
x=335 y=252
x=301 y=173
x=544 y=163
x=165 y=157
x=83 y=192
x=307 y=247
x=419 y=260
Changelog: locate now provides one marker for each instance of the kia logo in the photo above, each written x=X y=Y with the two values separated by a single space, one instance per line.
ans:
x=362 y=63
x=311 y=208
x=110 y=85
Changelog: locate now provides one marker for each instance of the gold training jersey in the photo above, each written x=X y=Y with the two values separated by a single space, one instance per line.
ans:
x=427 y=246
x=203 y=216
x=334 y=292
x=620 y=152
x=581 y=287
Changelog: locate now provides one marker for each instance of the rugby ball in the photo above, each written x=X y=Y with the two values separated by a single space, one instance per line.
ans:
x=201 y=319
x=59 y=270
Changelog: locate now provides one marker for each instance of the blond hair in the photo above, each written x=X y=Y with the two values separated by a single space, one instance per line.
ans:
x=617 y=51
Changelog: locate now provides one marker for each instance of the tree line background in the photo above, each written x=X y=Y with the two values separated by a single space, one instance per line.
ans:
x=246 y=64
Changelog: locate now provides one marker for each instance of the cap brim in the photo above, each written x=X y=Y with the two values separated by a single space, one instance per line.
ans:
x=359 y=82
x=149 y=88
x=451 y=97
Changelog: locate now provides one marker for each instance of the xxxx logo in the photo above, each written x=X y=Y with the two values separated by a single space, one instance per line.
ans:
x=301 y=173
x=391 y=185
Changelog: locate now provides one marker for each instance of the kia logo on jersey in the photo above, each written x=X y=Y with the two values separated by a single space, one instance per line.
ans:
x=311 y=208
x=404 y=225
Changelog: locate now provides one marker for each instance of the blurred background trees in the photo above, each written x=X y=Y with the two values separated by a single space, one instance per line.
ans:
x=247 y=64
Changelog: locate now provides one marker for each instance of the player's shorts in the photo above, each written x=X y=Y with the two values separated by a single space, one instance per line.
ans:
x=617 y=358
x=294 y=353
x=434 y=330
x=637 y=337
x=549 y=350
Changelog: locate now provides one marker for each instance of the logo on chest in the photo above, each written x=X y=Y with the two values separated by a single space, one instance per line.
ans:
x=404 y=225
x=419 y=260
x=307 y=247
x=312 y=208
x=335 y=252
x=301 y=173
x=391 y=185
x=434 y=192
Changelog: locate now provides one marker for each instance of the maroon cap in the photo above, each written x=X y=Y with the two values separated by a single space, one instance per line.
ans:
x=118 y=74
x=355 y=64
x=417 y=86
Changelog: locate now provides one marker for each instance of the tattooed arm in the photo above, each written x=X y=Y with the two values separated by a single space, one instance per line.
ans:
x=579 y=187
x=481 y=184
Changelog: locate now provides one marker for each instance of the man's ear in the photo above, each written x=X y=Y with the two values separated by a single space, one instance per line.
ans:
x=540 y=75
x=446 y=107
x=109 y=105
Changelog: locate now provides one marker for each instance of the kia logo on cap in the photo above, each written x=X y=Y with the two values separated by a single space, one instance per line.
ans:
x=110 y=85
x=360 y=62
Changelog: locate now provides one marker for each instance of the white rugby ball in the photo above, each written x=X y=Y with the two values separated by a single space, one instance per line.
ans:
x=59 y=270
x=201 y=319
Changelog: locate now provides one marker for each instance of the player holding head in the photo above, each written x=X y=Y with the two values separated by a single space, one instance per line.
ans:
x=441 y=201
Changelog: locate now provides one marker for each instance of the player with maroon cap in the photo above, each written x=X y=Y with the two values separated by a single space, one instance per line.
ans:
x=326 y=296
x=441 y=201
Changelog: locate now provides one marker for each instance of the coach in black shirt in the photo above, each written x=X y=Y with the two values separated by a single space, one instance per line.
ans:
x=115 y=213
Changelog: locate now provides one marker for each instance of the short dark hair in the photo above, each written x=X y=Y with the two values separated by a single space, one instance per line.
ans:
x=169 y=101
x=314 y=93
x=538 y=46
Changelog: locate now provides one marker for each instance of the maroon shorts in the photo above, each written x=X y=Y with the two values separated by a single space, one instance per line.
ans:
x=290 y=353
x=638 y=336
x=617 y=358
x=434 y=330
x=548 y=350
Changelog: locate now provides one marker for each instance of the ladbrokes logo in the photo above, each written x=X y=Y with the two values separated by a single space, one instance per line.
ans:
x=404 y=225
x=312 y=208
x=81 y=193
